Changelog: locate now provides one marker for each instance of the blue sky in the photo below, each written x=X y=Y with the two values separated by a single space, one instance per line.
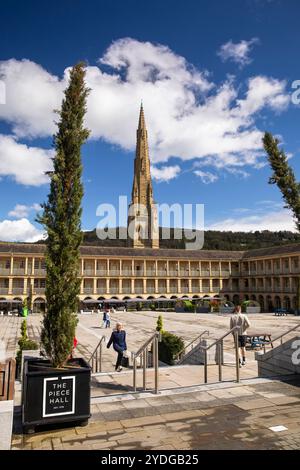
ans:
x=212 y=75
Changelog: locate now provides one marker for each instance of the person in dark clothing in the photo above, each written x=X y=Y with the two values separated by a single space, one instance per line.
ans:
x=118 y=340
x=104 y=319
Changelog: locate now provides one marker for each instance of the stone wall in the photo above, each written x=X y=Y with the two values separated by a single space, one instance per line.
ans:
x=6 y=422
x=282 y=360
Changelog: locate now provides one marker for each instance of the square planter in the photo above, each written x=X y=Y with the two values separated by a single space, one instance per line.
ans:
x=52 y=396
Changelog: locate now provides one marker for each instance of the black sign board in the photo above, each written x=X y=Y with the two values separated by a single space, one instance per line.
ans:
x=59 y=396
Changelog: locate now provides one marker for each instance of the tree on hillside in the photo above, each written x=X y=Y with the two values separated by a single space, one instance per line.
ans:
x=62 y=220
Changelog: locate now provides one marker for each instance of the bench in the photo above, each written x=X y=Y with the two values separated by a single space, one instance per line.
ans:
x=280 y=312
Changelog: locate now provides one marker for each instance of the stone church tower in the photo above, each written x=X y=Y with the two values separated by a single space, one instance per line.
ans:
x=142 y=212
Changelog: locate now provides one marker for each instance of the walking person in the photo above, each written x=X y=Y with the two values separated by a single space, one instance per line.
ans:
x=104 y=319
x=107 y=320
x=241 y=320
x=118 y=340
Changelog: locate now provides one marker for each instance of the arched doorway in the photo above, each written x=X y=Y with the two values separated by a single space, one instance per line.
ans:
x=287 y=303
x=277 y=301
x=3 y=305
x=236 y=299
x=270 y=306
x=39 y=305
x=261 y=301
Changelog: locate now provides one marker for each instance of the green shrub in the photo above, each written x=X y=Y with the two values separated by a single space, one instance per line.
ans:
x=188 y=306
x=159 y=324
x=169 y=347
x=25 y=344
x=152 y=307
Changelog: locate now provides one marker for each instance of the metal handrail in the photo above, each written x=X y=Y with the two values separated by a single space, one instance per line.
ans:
x=143 y=354
x=146 y=344
x=190 y=344
x=219 y=343
x=286 y=333
x=233 y=330
x=96 y=358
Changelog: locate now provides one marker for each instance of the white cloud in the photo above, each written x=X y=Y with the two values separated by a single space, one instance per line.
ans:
x=238 y=172
x=206 y=176
x=165 y=173
x=237 y=52
x=19 y=231
x=20 y=210
x=188 y=116
x=274 y=221
x=26 y=165
x=32 y=94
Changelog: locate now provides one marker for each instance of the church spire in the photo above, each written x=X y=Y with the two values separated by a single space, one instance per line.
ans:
x=142 y=123
x=142 y=208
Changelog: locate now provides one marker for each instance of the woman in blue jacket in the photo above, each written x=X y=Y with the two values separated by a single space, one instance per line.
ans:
x=118 y=340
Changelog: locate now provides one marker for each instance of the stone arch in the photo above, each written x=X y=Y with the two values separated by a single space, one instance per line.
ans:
x=39 y=305
x=277 y=301
x=236 y=299
x=287 y=303
x=295 y=303
x=261 y=301
x=270 y=305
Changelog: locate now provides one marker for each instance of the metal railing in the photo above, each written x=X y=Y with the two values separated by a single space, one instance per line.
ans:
x=189 y=347
x=150 y=345
x=219 y=343
x=95 y=360
x=280 y=337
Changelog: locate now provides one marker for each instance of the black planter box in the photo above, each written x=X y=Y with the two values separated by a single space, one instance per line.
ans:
x=52 y=396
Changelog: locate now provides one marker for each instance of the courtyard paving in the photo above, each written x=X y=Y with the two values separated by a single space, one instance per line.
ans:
x=185 y=414
x=223 y=416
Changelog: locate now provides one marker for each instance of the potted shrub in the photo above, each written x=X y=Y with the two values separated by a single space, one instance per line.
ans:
x=57 y=389
x=169 y=346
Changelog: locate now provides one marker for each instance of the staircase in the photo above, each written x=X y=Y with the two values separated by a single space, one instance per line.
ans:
x=281 y=361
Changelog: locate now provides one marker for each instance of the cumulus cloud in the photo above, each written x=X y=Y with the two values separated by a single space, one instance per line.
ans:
x=206 y=176
x=274 y=220
x=32 y=95
x=20 y=210
x=237 y=52
x=26 y=165
x=188 y=116
x=19 y=231
x=165 y=173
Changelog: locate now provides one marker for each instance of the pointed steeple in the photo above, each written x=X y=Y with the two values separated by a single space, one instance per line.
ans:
x=142 y=193
x=142 y=123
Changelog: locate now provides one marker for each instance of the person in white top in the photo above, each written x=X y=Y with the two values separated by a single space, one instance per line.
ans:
x=241 y=320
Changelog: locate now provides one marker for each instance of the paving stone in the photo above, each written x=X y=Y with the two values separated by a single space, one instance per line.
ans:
x=128 y=423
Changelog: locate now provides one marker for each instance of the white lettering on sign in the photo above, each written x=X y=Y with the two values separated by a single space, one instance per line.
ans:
x=59 y=396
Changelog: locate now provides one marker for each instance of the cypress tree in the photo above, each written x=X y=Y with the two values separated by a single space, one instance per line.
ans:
x=61 y=218
x=283 y=176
